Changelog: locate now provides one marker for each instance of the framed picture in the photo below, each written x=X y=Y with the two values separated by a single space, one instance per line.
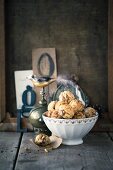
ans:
x=44 y=64
x=20 y=85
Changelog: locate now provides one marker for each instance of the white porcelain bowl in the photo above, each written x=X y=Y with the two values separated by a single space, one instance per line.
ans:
x=71 y=131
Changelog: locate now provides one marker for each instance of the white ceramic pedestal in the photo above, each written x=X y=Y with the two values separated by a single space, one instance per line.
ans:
x=72 y=141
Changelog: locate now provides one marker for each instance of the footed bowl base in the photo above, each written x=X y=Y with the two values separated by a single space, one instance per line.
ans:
x=72 y=141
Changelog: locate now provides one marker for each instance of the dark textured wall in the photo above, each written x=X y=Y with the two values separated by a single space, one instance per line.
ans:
x=76 y=28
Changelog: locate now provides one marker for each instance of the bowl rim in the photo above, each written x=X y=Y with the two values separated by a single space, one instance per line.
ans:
x=83 y=119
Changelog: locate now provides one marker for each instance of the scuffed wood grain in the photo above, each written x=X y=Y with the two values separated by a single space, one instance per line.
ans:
x=8 y=149
x=110 y=60
x=2 y=62
x=94 y=153
x=111 y=135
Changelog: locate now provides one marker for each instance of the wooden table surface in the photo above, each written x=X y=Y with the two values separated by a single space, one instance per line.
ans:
x=17 y=152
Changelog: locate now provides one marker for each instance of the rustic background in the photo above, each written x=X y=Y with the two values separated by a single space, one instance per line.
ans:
x=78 y=31
x=2 y=62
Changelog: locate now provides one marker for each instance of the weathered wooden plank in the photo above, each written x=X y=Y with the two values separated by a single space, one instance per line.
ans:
x=8 y=149
x=110 y=59
x=111 y=135
x=110 y=154
x=92 y=154
x=2 y=62
x=104 y=124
